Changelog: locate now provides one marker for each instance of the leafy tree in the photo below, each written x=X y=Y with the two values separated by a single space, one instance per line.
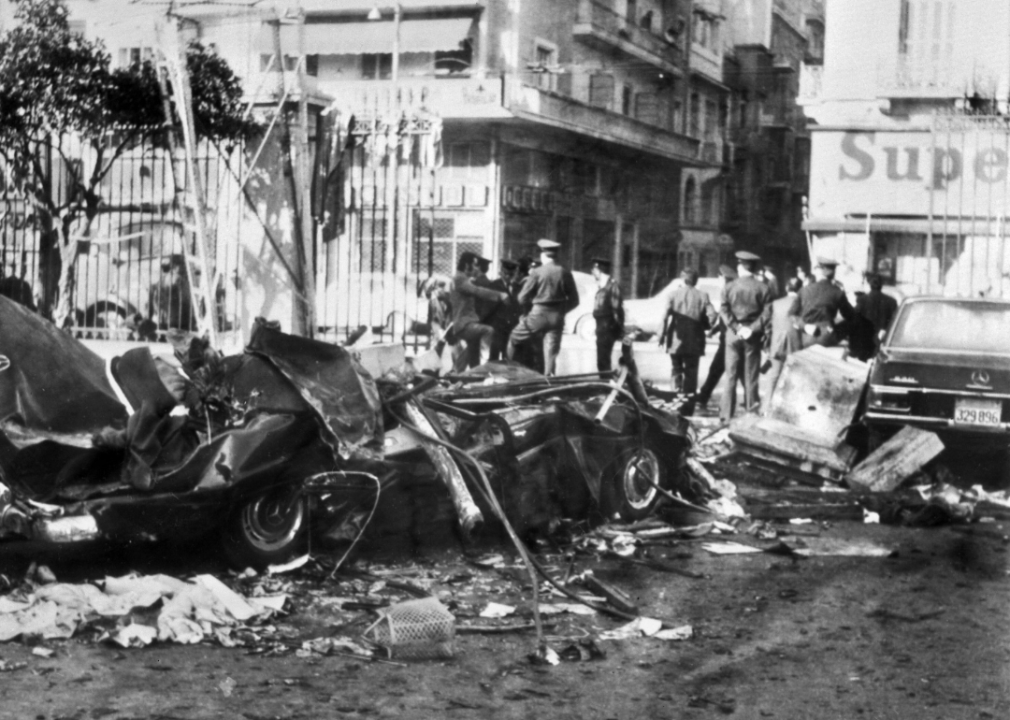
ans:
x=61 y=104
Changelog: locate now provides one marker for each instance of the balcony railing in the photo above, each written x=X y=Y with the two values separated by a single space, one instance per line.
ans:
x=448 y=98
x=525 y=98
x=906 y=77
x=598 y=22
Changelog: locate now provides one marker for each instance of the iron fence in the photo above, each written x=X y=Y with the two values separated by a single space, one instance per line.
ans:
x=130 y=280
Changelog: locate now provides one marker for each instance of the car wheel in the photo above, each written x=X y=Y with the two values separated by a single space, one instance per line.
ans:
x=266 y=529
x=631 y=490
x=585 y=327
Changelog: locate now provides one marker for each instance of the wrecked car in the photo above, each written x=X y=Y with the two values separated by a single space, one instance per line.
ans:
x=944 y=365
x=141 y=451
x=245 y=449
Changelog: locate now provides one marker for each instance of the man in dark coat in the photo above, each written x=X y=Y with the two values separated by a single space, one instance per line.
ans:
x=689 y=314
x=467 y=326
x=608 y=312
x=815 y=308
x=550 y=290
x=746 y=310
x=504 y=316
x=874 y=312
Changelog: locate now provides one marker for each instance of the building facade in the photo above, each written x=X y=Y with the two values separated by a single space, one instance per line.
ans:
x=910 y=145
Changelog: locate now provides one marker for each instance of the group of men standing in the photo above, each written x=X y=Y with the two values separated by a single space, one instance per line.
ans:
x=520 y=316
x=514 y=316
x=751 y=319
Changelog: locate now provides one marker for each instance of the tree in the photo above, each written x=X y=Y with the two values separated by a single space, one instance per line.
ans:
x=62 y=103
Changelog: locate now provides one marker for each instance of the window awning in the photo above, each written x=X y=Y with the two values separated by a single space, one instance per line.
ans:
x=359 y=38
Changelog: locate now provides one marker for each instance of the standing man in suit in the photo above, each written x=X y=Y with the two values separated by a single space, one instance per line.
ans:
x=688 y=315
x=550 y=290
x=608 y=312
x=746 y=310
x=815 y=308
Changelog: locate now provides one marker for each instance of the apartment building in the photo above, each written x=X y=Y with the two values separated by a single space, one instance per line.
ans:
x=910 y=145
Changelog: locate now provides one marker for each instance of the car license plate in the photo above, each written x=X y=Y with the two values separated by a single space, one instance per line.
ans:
x=969 y=411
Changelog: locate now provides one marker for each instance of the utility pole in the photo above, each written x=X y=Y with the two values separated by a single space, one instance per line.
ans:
x=202 y=292
x=304 y=305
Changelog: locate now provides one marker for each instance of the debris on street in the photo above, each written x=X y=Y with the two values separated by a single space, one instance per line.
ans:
x=137 y=610
x=804 y=429
x=896 y=460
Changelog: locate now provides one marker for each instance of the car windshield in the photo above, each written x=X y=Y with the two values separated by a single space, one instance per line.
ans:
x=952 y=325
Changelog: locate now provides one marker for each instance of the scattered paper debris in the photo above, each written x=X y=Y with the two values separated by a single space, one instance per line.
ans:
x=684 y=632
x=571 y=608
x=497 y=610
x=730 y=548
x=288 y=566
x=639 y=627
x=227 y=686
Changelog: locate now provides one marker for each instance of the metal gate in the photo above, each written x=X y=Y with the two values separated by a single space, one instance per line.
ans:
x=965 y=243
x=383 y=241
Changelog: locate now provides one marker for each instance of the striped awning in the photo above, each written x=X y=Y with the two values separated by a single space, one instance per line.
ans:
x=366 y=37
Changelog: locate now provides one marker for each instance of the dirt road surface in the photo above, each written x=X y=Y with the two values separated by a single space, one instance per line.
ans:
x=922 y=634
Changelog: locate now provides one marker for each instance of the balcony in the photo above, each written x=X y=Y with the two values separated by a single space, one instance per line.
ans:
x=597 y=24
x=531 y=102
x=449 y=98
x=906 y=77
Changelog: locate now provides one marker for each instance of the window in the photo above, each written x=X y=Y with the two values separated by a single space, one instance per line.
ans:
x=690 y=202
x=601 y=90
x=377 y=66
x=128 y=57
x=632 y=11
x=546 y=57
x=925 y=41
x=455 y=62
x=646 y=22
x=694 y=120
x=627 y=93
x=711 y=119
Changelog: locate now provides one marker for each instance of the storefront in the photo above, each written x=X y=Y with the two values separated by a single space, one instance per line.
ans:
x=925 y=206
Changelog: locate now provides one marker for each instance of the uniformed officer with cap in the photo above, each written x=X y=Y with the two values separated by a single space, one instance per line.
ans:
x=746 y=310
x=815 y=309
x=608 y=312
x=550 y=290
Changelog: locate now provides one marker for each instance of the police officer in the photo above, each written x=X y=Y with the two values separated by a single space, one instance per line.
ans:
x=718 y=366
x=551 y=292
x=746 y=310
x=815 y=308
x=608 y=312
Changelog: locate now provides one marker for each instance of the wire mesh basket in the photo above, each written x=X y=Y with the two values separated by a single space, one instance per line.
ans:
x=415 y=630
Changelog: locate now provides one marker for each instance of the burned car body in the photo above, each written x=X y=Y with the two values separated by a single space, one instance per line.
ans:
x=246 y=448
x=944 y=365
x=228 y=457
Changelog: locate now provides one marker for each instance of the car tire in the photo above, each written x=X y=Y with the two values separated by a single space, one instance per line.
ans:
x=630 y=491
x=585 y=327
x=266 y=529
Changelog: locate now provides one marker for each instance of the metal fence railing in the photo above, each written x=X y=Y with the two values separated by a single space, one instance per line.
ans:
x=129 y=280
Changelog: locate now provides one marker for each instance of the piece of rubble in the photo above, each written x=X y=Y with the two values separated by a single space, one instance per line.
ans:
x=497 y=610
x=896 y=460
x=730 y=548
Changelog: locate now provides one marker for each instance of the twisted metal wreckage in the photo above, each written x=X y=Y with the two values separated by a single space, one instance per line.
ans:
x=248 y=447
